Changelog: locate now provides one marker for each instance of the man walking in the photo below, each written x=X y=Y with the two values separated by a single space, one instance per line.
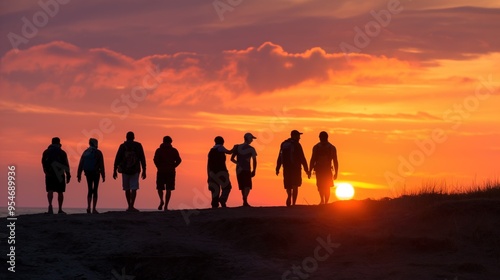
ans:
x=323 y=154
x=166 y=159
x=128 y=161
x=56 y=168
x=242 y=154
x=291 y=156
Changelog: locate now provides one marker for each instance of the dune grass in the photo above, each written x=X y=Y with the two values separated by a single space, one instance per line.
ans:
x=432 y=189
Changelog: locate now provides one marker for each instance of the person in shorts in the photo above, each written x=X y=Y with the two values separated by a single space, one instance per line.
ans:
x=242 y=155
x=56 y=168
x=291 y=157
x=128 y=161
x=166 y=159
x=323 y=154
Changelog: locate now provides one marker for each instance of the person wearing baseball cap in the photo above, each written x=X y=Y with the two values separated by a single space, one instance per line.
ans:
x=291 y=157
x=242 y=154
x=295 y=133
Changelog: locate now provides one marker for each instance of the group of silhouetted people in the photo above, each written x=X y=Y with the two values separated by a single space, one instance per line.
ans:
x=218 y=175
x=130 y=161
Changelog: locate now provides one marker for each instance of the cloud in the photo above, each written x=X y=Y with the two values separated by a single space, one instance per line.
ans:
x=269 y=67
x=61 y=70
x=446 y=29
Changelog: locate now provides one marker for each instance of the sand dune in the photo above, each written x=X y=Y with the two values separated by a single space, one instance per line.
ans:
x=405 y=238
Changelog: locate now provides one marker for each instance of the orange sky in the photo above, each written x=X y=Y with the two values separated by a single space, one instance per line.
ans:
x=417 y=103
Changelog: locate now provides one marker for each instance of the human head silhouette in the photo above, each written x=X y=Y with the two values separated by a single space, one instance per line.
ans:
x=249 y=137
x=219 y=140
x=323 y=136
x=93 y=142
x=130 y=136
x=167 y=140
x=295 y=135
x=56 y=141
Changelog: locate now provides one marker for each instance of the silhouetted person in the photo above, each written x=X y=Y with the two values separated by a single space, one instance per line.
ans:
x=242 y=154
x=323 y=154
x=128 y=161
x=291 y=156
x=56 y=168
x=218 y=175
x=166 y=159
x=92 y=164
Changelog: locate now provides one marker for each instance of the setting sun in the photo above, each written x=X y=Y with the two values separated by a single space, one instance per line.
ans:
x=344 y=191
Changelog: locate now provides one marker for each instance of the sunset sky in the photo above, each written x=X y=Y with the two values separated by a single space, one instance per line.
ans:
x=408 y=90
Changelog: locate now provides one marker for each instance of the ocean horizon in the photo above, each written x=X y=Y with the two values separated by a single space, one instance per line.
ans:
x=41 y=210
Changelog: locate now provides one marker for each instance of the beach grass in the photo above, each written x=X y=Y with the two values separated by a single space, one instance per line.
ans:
x=444 y=190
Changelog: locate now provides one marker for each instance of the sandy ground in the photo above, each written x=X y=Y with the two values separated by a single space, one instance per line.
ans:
x=405 y=238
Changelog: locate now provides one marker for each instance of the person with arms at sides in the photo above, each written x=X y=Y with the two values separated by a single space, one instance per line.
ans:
x=166 y=159
x=291 y=157
x=92 y=164
x=323 y=154
x=242 y=154
x=56 y=169
x=128 y=161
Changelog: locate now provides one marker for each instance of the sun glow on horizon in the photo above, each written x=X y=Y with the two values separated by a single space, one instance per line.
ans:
x=344 y=191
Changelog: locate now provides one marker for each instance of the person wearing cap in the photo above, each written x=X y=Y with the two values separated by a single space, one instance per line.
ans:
x=323 y=154
x=166 y=159
x=218 y=175
x=129 y=159
x=291 y=157
x=242 y=154
x=92 y=163
x=56 y=168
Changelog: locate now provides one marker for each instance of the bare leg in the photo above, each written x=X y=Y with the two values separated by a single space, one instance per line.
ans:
x=133 y=194
x=94 y=202
x=244 y=194
x=50 y=196
x=60 y=199
x=160 y=194
x=127 y=196
x=89 y=199
x=289 y=197
x=295 y=193
x=327 y=195
x=89 y=191
x=94 y=193
x=168 y=193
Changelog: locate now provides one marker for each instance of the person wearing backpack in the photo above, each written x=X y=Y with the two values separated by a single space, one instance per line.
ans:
x=128 y=161
x=56 y=168
x=291 y=157
x=166 y=159
x=323 y=154
x=92 y=164
x=242 y=153
x=218 y=175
